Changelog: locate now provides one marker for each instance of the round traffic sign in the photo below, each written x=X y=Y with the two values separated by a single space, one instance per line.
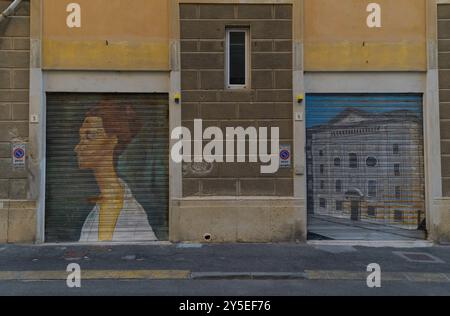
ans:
x=285 y=155
x=19 y=153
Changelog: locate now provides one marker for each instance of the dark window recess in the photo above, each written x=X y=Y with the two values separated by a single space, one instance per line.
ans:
x=323 y=203
x=372 y=162
x=322 y=169
x=396 y=149
x=372 y=211
x=237 y=53
x=337 y=162
x=398 y=193
x=322 y=185
x=372 y=188
x=353 y=161
x=339 y=206
x=338 y=186
x=398 y=216
x=397 y=170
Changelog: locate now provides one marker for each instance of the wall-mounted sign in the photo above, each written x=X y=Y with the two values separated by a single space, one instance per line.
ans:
x=19 y=154
x=285 y=157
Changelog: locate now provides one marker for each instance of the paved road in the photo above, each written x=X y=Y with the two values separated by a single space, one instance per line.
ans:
x=194 y=270
x=222 y=288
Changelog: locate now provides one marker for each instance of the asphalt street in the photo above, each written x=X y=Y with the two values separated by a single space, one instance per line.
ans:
x=223 y=270
x=222 y=288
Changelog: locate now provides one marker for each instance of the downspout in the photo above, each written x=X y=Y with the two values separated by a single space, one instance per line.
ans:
x=9 y=10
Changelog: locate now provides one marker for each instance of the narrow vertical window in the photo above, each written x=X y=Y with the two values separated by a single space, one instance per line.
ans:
x=398 y=192
x=372 y=190
x=397 y=170
x=396 y=149
x=237 y=59
x=353 y=160
x=322 y=185
x=338 y=186
x=337 y=162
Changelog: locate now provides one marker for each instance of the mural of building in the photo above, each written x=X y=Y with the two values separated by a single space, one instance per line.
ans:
x=74 y=167
x=368 y=166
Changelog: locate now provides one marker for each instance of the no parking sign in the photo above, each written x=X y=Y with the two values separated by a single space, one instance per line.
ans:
x=19 y=154
x=285 y=156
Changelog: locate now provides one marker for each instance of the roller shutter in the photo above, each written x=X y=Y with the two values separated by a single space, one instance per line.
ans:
x=107 y=167
x=365 y=159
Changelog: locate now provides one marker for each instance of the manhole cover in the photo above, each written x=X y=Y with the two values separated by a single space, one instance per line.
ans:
x=419 y=257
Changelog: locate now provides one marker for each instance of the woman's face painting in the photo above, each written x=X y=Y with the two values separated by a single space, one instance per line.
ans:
x=96 y=147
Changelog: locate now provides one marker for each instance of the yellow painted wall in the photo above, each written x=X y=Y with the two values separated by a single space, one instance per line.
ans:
x=114 y=35
x=134 y=35
x=337 y=37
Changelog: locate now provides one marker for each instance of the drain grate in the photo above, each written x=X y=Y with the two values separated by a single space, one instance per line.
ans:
x=418 y=257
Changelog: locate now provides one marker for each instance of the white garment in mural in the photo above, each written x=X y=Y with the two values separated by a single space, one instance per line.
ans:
x=132 y=224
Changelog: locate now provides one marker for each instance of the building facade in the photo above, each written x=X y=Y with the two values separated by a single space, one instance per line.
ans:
x=94 y=93
x=17 y=212
x=444 y=97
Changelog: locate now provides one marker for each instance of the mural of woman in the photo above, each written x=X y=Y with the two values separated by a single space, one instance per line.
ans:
x=106 y=132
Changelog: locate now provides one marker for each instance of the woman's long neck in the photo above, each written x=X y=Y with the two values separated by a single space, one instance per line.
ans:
x=111 y=201
x=108 y=182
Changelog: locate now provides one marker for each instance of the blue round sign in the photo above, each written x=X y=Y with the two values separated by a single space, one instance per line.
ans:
x=19 y=153
x=285 y=155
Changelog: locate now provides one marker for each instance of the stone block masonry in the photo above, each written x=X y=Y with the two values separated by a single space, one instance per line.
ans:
x=14 y=96
x=267 y=103
x=444 y=86
x=17 y=215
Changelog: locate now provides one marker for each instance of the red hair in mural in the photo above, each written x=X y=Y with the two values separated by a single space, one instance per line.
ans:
x=118 y=120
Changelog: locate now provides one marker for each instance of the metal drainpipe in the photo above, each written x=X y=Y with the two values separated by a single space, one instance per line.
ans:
x=9 y=10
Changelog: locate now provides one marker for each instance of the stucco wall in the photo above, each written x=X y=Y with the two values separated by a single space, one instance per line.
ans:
x=337 y=37
x=114 y=35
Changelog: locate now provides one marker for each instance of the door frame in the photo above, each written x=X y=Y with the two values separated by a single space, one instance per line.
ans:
x=358 y=212
x=102 y=82
x=393 y=82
